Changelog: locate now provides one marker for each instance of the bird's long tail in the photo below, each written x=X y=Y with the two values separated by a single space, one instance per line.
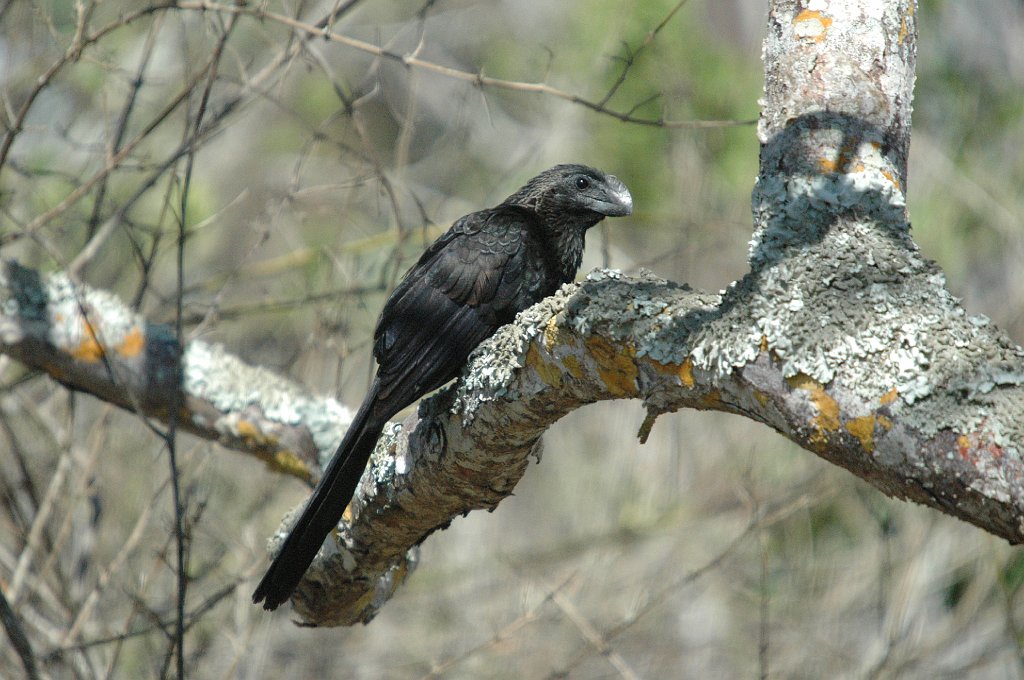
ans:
x=325 y=507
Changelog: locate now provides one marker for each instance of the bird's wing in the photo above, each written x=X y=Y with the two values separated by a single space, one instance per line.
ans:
x=468 y=283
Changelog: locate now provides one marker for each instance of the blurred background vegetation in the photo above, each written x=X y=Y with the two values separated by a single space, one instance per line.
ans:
x=314 y=171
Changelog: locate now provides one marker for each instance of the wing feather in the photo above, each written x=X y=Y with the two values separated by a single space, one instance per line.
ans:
x=466 y=285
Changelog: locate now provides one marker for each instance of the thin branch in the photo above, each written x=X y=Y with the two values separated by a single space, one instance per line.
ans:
x=19 y=640
x=114 y=161
x=761 y=518
x=195 y=616
x=88 y=605
x=223 y=399
x=122 y=123
x=593 y=637
x=477 y=79
x=764 y=621
x=503 y=634
x=631 y=55
x=73 y=52
x=181 y=544
x=53 y=494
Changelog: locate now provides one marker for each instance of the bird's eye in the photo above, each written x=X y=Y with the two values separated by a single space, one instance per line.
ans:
x=582 y=183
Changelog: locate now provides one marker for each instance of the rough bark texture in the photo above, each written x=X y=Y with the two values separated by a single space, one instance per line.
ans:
x=845 y=303
x=841 y=337
x=90 y=341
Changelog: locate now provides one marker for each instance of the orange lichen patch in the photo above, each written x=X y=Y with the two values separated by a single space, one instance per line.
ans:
x=248 y=431
x=973 y=445
x=548 y=372
x=616 y=369
x=889 y=397
x=132 y=344
x=904 y=28
x=863 y=429
x=763 y=345
x=812 y=24
x=841 y=164
x=550 y=334
x=668 y=368
x=827 y=165
x=686 y=373
x=827 y=420
x=842 y=161
x=555 y=334
x=893 y=179
x=883 y=422
x=253 y=436
x=89 y=349
x=683 y=371
x=711 y=400
x=572 y=364
x=286 y=461
x=963 y=446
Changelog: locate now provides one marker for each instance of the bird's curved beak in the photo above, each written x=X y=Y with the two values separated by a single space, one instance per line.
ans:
x=616 y=202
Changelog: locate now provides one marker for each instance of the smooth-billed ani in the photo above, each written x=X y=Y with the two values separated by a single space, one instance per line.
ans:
x=473 y=279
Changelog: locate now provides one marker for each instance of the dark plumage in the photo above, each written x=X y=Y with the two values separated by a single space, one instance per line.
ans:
x=473 y=279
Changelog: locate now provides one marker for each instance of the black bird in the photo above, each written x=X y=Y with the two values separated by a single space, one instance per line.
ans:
x=472 y=280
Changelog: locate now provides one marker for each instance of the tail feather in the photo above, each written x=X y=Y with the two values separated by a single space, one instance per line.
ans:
x=325 y=507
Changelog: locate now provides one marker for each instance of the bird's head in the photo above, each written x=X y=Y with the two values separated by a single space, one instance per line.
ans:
x=570 y=199
x=580 y=191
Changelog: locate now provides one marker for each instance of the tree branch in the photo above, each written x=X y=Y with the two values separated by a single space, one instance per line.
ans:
x=90 y=341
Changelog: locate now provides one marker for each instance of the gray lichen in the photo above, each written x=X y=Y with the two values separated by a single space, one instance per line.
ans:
x=109 y=320
x=232 y=386
x=492 y=365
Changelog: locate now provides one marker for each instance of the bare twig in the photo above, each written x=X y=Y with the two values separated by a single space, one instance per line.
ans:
x=594 y=637
x=631 y=56
x=126 y=111
x=71 y=55
x=16 y=634
x=503 y=634
x=53 y=495
x=477 y=79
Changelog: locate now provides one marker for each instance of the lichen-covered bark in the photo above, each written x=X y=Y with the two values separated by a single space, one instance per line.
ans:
x=618 y=337
x=841 y=337
x=90 y=341
x=838 y=278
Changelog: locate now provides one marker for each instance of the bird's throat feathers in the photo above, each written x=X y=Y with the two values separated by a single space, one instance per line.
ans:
x=567 y=241
x=565 y=211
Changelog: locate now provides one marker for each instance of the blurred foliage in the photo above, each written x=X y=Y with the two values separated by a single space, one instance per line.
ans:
x=318 y=172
